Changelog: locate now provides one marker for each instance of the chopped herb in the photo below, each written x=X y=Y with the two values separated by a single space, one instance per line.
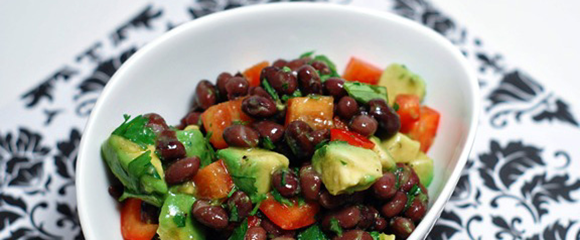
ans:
x=239 y=232
x=283 y=179
x=281 y=199
x=396 y=107
x=312 y=233
x=234 y=189
x=306 y=54
x=136 y=131
x=375 y=235
x=343 y=163
x=258 y=202
x=314 y=96
x=321 y=144
x=234 y=216
x=270 y=90
x=363 y=92
x=324 y=77
x=210 y=153
x=297 y=93
x=335 y=226
x=415 y=190
x=286 y=69
x=285 y=86
x=330 y=64
x=179 y=220
x=240 y=122
x=267 y=143
x=397 y=184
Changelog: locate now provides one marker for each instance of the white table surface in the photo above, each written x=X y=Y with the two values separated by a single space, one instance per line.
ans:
x=542 y=37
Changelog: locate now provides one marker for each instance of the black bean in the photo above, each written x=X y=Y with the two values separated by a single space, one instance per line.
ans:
x=259 y=107
x=369 y=214
x=168 y=147
x=389 y=122
x=321 y=67
x=182 y=170
x=237 y=87
x=274 y=230
x=413 y=180
x=259 y=91
x=192 y=118
x=297 y=63
x=401 y=227
x=346 y=107
x=404 y=174
x=395 y=205
x=116 y=190
x=364 y=125
x=309 y=81
x=241 y=203
x=238 y=135
x=284 y=82
x=416 y=210
x=380 y=224
x=205 y=95
x=310 y=182
x=156 y=122
x=256 y=233
x=347 y=217
x=268 y=73
x=221 y=81
x=297 y=137
x=319 y=136
x=269 y=129
x=335 y=87
x=212 y=216
x=149 y=213
x=330 y=201
x=354 y=234
x=385 y=187
x=280 y=63
x=286 y=182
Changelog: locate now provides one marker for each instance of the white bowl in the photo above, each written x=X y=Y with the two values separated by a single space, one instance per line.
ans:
x=161 y=78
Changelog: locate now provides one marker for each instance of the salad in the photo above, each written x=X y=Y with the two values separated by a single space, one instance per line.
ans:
x=288 y=150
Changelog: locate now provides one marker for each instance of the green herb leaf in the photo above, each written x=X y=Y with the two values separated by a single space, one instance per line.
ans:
x=270 y=90
x=247 y=185
x=141 y=166
x=179 y=220
x=415 y=190
x=314 y=96
x=321 y=144
x=306 y=54
x=397 y=171
x=267 y=143
x=328 y=63
x=239 y=233
x=136 y=131
x=312 y=233
x=257 y=202
x=234 y=217
x=363 y=92
x=151 y=198
x=234 y=189
x=335 y=226
x=286 y=69
x=281 y=199
x=375 y=235
x=210 y=153
x=396 y=107
x=240 y=122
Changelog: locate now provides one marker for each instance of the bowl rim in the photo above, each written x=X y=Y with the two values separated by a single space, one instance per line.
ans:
x=117 y=77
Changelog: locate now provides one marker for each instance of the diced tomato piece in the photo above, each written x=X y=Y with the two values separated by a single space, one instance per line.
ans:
x=409 y=110
x=316 y=111
x=425 y=129
x=213 y=181
x=132 y=228
x=252 y=74
x=359 y=70
x=218 y=117
x=290 y=217
x=351 y=138
x=254 y=221
x=339 y=123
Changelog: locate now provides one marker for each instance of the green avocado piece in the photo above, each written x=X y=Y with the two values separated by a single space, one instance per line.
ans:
x=345 y=168
x=386 y=237
x=402 y=148
x=423 y=166
x=251 y=169
x=387 y=161
x=195 y=144
x=175 y=221
x=146 y=177
x=400 y=80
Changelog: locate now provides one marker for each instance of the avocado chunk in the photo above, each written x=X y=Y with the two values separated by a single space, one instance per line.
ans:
x=175 y=221
x=387 y=161
x=400 y=80
x=402 y=148
x=195 y=144
x=383 y=236
x=251 y=169
x=138 y=168
x=345 y=168
x=423 y=166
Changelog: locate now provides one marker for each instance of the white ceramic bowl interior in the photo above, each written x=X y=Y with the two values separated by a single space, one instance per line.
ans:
x=161 y=78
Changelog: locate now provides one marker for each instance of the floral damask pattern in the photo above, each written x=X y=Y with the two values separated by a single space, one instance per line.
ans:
x=513 y=186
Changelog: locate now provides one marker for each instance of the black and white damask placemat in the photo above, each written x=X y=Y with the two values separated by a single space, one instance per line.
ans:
x=522 y=180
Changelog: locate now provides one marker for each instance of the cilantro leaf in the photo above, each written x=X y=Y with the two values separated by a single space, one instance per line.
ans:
x=312 y=233
x=151 y=198
x=306 y=54
x=136 y=131
x=281 y=199
x=286 y=69
x=415 y=190
x=363 y=92
x=270 y=90
x=335 y=226
x=239 y=233
x=267 y=143
x=234 y=216
x=375 y=235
